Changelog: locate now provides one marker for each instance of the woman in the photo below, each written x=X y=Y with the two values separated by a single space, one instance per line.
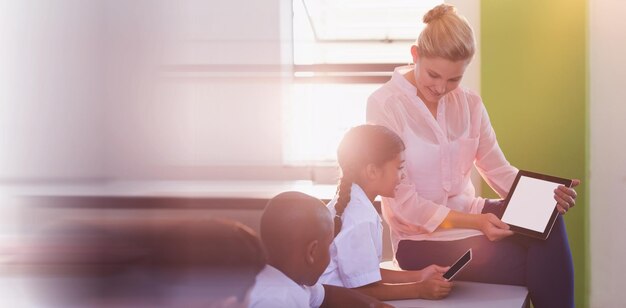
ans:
x=435 y=215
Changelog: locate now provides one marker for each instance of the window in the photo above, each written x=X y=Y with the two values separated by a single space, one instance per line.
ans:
x=343 y=50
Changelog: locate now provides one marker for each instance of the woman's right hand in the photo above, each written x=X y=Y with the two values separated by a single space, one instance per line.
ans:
x=493 y=228
x=435 y=287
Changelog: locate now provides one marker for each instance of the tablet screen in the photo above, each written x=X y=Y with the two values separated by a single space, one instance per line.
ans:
x=458 y=265
x=531 y=204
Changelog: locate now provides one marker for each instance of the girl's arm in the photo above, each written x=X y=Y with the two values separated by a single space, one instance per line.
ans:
x=400 y=276
x=343 y=297
x=391 y=276
x=433 y=288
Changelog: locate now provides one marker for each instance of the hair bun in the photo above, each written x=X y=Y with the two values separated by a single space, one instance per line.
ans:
x=437 y=12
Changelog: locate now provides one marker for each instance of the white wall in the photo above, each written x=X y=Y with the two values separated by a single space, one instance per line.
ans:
x=50 y=123
x=607 y=148
x=202 y=116
x=84 y=95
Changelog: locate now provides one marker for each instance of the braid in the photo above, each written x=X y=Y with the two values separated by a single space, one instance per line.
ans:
x=361 y=146
x=344 y=190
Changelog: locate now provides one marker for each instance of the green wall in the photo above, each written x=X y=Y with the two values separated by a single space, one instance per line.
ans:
x=534 y=84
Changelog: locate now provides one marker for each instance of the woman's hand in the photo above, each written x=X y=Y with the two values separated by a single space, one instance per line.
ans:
x=565 y=197
x=434 y=287
x=488 y=223
x=493 y=228
x=431 y=271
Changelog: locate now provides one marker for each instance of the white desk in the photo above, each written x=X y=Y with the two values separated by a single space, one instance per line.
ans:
x=474 y=294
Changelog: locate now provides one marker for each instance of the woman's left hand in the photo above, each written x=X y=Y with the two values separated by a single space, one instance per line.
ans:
x=565 y=197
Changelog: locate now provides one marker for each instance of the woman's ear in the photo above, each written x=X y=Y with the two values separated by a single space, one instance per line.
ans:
x=311 y=251
x=415 y=53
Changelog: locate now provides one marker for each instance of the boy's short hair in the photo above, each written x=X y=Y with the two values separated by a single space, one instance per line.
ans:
x=292 y=217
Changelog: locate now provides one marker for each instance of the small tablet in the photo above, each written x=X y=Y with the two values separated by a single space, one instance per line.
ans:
x=458 y=265
x=530 y=208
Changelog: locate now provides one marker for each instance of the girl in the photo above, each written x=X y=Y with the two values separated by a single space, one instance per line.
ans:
x=370 y=158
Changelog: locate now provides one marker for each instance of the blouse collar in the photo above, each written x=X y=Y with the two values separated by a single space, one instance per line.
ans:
x=398 y=79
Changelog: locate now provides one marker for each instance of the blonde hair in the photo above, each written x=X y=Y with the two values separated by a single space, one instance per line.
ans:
x=447 y=35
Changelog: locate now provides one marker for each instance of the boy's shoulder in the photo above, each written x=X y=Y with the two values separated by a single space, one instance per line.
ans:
x=274 y=289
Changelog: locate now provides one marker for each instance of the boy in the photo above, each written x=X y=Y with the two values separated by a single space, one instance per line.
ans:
x=297 y=231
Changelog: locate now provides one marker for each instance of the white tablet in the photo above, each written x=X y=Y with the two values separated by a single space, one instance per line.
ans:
x=530 y=208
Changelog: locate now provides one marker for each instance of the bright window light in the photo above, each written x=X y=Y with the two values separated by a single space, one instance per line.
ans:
x=319 y=115
x=340 y=48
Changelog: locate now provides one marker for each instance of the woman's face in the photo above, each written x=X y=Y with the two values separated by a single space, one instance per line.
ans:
x=436 y=77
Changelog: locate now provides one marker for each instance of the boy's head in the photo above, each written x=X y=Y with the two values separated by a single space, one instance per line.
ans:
x=297 y=231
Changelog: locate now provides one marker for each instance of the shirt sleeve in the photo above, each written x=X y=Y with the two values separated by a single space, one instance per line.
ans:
x=357 y=258
x=408 y=212
x=490 y=161
x=280 y=297
x=317 y=295
x=380 y=113
x=270 y=303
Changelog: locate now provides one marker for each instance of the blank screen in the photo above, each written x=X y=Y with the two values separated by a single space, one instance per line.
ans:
x=531 y=204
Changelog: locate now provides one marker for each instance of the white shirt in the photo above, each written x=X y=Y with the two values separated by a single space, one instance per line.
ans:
x=273 y=289
x=356 y=252
x=439 y=155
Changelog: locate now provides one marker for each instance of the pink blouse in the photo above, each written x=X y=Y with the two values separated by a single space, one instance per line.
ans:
x=439 y=156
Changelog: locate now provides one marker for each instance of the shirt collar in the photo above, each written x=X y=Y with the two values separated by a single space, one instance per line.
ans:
x=274 y=272
x=398 y=79
x=358 y=194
